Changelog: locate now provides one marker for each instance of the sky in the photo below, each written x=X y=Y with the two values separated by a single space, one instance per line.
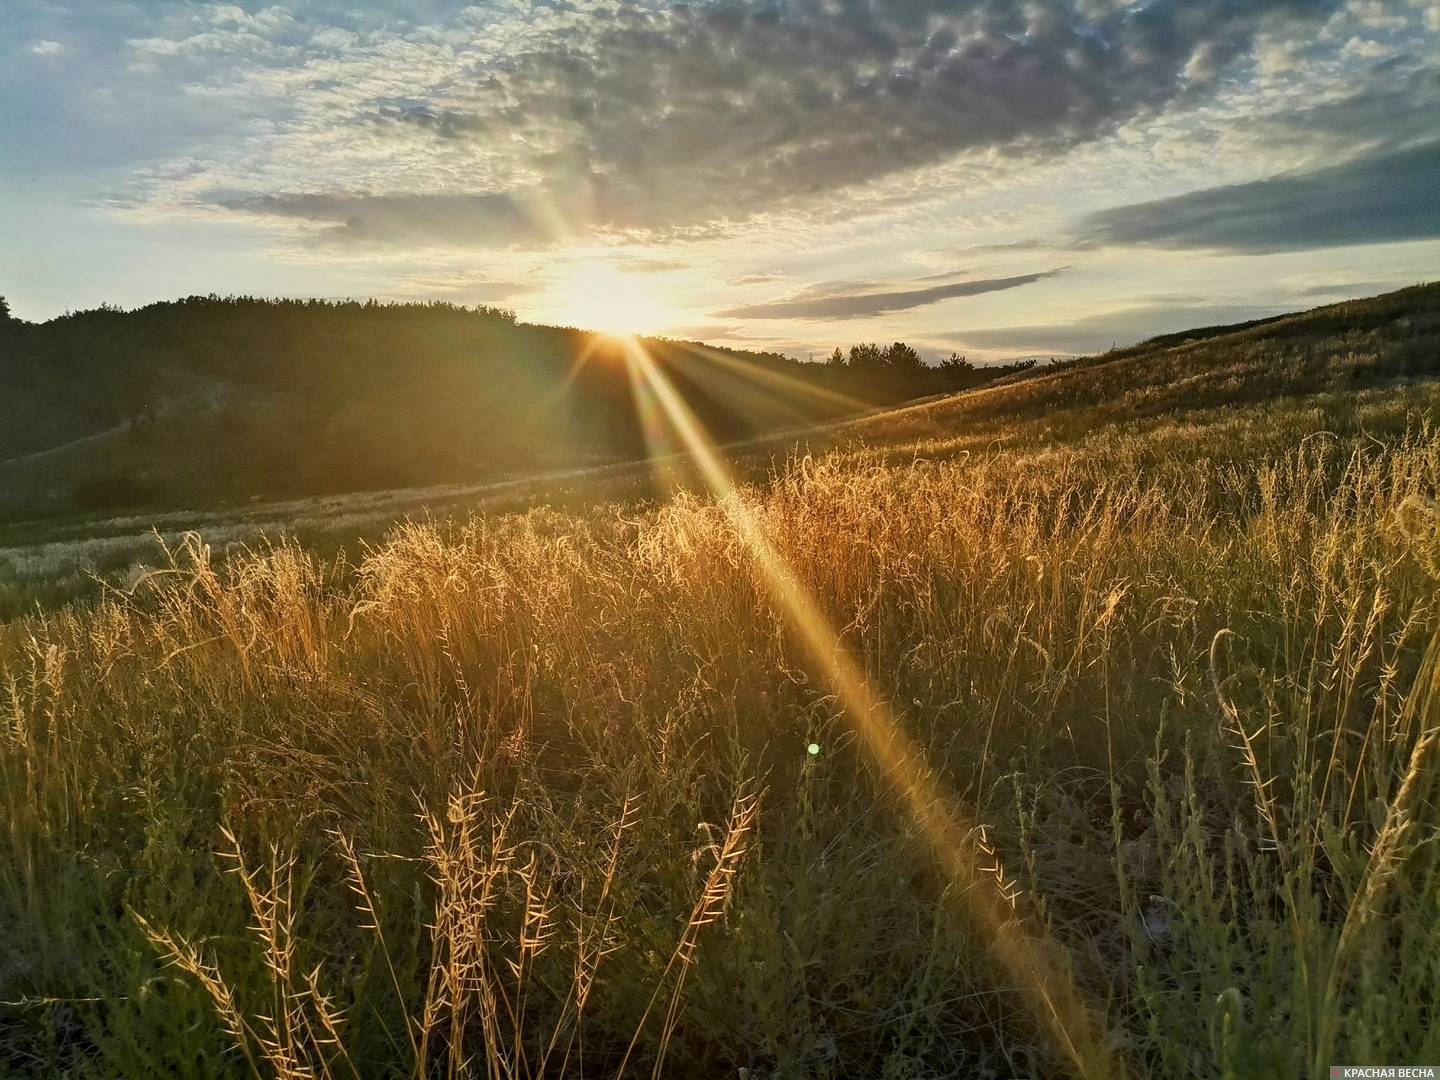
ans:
x=975 y=176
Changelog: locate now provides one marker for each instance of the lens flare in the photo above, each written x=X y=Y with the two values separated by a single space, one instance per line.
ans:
x=786 y=385
x=1033 y=962
x=598 y=296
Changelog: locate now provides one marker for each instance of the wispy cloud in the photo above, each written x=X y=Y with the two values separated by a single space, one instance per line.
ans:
x=649 y=264
x=493 y=220
x=708 y=332
x=851 y=300
x=762 y=278
x=470 y=285
x=1351 y=288
x=1007 y=247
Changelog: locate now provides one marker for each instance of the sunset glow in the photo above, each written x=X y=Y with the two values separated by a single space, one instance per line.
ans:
x=597 y=296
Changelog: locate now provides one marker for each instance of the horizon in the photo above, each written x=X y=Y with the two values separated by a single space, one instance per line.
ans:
x=480 y=308
x=784 y=177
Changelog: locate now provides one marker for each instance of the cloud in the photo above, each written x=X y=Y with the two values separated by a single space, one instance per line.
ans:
x=1376 y=15
x=653 y=119
x=476 y=286
x=647 y=264
x=1384 y=198
x=1351 y=289
x=707 y=332
x=851 y=300
x=45 y=47
x=493 y=220
x=1005 y=248
x=1359 y=48
x=1389 y=106
x=1096 y=333
x=443 y=123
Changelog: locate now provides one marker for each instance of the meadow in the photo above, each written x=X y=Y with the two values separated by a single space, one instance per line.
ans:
x=1085 y=726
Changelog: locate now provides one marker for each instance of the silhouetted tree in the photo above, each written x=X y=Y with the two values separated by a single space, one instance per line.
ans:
x=907 y=374
x=867 y=357
x=903 y=360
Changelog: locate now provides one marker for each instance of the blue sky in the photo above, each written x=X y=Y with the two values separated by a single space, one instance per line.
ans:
x=991 y=178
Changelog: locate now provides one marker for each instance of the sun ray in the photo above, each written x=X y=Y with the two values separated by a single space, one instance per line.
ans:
x=663 y=449
x=546 y=215
x=777 y=380
x=1033 y=961
x=583 y=357
x=552 y=396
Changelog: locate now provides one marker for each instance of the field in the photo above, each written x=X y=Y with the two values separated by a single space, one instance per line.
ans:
x=1081 y=726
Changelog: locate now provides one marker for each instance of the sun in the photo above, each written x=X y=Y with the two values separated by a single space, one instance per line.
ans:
x=597 y=296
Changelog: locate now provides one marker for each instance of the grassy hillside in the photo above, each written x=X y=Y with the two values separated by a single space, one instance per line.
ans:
x=1348 y=347
x=1082 y=726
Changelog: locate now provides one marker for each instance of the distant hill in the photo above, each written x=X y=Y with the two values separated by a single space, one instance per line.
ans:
x=1341 y=347
x=212 y=400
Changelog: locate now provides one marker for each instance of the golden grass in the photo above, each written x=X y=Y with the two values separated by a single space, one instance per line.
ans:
x=530 y=795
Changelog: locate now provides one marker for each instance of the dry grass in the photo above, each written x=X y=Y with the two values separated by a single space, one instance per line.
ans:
x=530 y=795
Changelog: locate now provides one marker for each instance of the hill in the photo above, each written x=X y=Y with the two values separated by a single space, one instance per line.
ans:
x=1086 y=726
x=210 y=400
x=1347 y=347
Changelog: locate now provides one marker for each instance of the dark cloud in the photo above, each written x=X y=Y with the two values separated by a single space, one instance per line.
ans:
x=1096 y=333
x=445 y=123
x=820 y=290
x=650 y=265
x=682 y=116
x=850 y=300
x=1352 y=289
x=1383 y=198
x=1006 y=248
x=482 y=220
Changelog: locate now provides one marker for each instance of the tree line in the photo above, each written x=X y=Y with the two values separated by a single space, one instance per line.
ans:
x=897 y=372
